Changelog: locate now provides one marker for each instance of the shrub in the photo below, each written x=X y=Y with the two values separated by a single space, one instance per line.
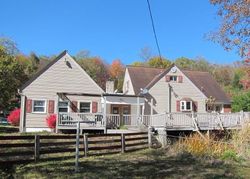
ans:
x=14 y=117
x=241 y=141
x=230 y=155
x=51 y=121
x=199 y=146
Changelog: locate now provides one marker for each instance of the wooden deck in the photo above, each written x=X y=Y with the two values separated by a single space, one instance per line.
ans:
x=170 y=121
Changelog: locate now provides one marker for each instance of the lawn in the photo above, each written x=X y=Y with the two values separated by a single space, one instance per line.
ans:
x=150 y=163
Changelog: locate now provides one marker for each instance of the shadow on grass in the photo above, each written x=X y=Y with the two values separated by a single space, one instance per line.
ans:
x=147 y=164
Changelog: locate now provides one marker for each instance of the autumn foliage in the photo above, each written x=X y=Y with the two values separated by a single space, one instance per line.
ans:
x=51 y=121
x=14 y=117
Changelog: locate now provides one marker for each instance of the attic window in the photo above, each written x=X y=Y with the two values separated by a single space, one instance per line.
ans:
x=173 y=78
x=186 y=105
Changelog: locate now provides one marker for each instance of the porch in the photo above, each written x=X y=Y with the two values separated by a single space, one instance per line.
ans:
x=170 y=121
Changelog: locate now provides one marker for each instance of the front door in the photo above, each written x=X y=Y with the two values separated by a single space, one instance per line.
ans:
x=121 y=110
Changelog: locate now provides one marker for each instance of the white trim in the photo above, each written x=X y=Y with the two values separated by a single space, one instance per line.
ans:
x=78 y=66
x=85 y=101
x=37 y=129
x=45 y=106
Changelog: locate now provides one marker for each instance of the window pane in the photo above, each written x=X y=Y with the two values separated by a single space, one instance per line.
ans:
x=84 y=107
x=39 y=103
x=63 y=109
x=63 y=106
x=188 y=105
x=38 y=109
x=173 y=78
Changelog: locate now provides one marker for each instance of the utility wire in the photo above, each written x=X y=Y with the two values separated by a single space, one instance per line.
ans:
x=153 y=27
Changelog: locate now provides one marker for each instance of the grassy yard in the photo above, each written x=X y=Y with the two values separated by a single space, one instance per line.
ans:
x=157 y=163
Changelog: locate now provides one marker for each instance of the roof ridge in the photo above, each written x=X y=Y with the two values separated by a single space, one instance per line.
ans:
x=41 y=71
x=145 y=67
x=195 y=71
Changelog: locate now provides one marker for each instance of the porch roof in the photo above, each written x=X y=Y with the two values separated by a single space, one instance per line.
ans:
x=123 y=99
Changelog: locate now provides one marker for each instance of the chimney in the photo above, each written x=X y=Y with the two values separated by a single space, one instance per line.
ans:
x=110 y=87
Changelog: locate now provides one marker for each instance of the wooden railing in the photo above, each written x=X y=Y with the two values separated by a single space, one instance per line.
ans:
x=29 y=148
x=91 y=119
x=178 y=120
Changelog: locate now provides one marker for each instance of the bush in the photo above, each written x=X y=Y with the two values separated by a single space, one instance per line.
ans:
x=199 y=146
x=241 y=141
x=230 y=155
x=51 y=121
x=14 y=117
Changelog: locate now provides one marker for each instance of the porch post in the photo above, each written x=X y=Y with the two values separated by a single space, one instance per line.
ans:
x=104 y=114
x=151 y=106
x=138 y=110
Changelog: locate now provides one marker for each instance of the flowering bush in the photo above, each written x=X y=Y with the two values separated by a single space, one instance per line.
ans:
x=51 y=121
x=14 y=117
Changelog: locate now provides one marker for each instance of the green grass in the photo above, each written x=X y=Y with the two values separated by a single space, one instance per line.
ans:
x=142 y=164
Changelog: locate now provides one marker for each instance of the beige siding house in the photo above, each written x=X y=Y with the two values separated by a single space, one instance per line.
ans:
x=176 y=90
x=40 y=96
x=65 y=89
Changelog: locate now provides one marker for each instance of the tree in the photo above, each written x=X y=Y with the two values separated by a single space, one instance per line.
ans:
x=116 y=71
x=241 y=102
x=14 y=117
x=233 y=32
x=9 y=45
x=138 y=63
x=96 y=69
x=224 y=75
x=158 y=62
x=145 y=54
x=12 y=75
x=185 y=63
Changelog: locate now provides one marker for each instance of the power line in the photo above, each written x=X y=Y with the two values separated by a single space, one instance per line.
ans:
x=153 y=27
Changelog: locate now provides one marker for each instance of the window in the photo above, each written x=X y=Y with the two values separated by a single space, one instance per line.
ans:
x=63 y=106
x=85 y=107
x=39 y=106
x=173 y=78
x=186 y=105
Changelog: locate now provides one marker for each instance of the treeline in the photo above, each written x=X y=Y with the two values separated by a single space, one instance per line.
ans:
x=16 y=68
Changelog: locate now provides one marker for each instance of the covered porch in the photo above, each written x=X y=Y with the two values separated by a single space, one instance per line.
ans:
x=110 y=111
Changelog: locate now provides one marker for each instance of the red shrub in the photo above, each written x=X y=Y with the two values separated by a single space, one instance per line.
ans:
x=14 y=117
x=51 y=121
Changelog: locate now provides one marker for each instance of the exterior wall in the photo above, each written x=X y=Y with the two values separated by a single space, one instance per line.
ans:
x=227 y=109
x=60 y=77
x=127 y=84
x=186 y=89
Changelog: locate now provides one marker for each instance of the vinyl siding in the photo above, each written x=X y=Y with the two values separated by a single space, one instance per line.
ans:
x=186 y=89
x=60 y=78
x=127 y=84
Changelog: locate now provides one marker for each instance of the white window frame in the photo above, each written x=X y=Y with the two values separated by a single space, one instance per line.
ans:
x=67 y=106
x=184 y=104
x=78 y=105
x=45 y=106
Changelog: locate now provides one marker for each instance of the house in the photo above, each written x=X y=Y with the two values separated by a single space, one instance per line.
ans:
x=175 y=90
x=64 y=88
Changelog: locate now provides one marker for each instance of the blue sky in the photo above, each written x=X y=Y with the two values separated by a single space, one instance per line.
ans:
x=113 y=29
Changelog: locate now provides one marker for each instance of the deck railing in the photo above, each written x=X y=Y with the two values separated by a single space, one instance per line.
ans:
x=91 y=119
x=185 y=121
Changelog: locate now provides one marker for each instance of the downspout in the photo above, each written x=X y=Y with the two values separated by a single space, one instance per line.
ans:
x=169 y=98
